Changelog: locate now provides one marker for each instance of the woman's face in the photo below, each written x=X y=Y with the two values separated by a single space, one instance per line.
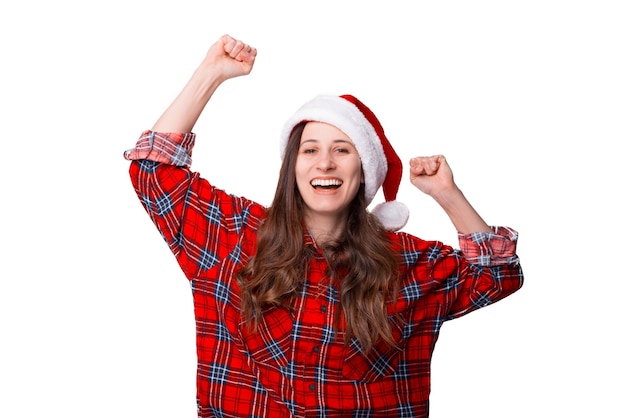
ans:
x=328 y=170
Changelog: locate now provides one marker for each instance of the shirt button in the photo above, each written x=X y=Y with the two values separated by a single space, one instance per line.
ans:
x=312 y=386
x=323 y=308
x=316 y=348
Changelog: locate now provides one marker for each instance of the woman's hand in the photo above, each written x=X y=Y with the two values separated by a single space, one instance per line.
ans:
x=431 y=175
x=230 y=57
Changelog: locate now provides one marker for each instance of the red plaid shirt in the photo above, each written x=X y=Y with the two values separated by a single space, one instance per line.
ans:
x=297 y=364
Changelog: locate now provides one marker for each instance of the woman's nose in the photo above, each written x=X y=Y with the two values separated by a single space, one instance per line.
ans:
x=326 y=161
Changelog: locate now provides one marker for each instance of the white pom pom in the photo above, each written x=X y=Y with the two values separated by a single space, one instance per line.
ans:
x=393 y=215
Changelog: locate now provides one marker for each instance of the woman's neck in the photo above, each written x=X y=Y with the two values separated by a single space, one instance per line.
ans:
x=324 y=229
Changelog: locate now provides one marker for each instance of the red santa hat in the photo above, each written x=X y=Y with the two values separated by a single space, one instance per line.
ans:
x=381 y=165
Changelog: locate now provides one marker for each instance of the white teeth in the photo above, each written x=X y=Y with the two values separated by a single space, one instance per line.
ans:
x=326 y=182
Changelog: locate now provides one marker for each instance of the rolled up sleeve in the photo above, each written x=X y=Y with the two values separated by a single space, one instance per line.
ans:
x=495 y=248
x=169 y=148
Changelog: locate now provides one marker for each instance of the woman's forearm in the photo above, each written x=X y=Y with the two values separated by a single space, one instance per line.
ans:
x=183 y=113
x=462 y=214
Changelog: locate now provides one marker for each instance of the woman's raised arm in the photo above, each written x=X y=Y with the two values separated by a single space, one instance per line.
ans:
x=227 y=58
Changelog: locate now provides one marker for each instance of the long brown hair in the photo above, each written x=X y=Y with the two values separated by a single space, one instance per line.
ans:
x=362 y=256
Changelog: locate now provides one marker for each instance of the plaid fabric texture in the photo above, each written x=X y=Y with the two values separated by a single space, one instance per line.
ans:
x=296 y=364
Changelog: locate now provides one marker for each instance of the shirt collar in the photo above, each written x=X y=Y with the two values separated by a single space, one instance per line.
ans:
x=310 y=244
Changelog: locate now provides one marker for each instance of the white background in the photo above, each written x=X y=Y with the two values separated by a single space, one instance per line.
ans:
x=526 y=100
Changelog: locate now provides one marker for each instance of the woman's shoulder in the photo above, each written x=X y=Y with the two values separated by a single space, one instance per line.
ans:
x=407 y=240
x=412 y=248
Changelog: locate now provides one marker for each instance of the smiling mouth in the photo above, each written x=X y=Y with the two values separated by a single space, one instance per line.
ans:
x=326 y=184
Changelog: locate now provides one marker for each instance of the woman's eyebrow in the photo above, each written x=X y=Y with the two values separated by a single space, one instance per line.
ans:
x=345 y=141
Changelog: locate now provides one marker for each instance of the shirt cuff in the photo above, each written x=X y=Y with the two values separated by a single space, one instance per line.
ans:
x=493 y=248
x=168 y=148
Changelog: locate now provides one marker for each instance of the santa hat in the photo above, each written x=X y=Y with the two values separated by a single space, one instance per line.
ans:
x=381 y=165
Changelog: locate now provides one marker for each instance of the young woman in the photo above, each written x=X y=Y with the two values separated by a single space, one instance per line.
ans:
x=315 y=306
